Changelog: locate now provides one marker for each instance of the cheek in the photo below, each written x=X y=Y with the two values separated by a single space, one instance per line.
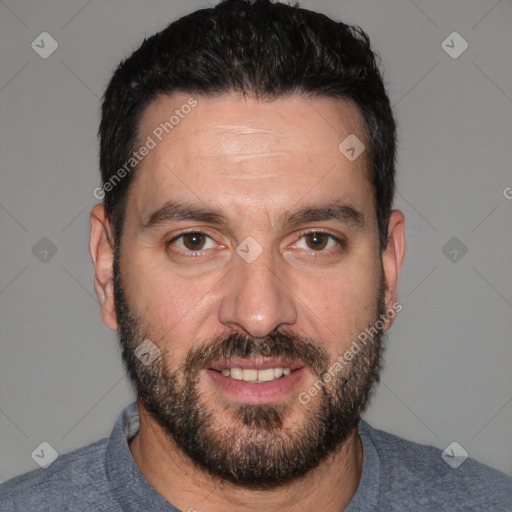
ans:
x=171 y=308
x=343 y=304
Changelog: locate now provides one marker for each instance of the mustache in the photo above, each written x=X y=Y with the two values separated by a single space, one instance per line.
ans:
x=276 y=344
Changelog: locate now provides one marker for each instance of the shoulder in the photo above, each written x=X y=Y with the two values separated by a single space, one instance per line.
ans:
x=74 y=481
x=420 y=472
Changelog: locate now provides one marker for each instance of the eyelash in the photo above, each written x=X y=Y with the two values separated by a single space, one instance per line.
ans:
x=188 y=253
x=341 y=244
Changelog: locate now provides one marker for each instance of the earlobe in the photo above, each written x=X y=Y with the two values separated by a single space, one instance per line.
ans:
x=392 y=257
x=101 y=248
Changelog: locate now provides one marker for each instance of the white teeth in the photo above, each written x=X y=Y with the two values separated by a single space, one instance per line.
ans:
x=250 y=375
x=266 y=375
x=236 y=373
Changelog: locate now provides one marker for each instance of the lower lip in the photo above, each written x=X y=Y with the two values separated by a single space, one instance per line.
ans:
x=255 y=393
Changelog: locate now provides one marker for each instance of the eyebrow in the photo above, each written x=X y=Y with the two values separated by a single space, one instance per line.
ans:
x=180 y=211
x=333 y=210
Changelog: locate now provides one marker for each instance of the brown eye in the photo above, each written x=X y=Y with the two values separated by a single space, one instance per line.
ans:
x=191 y=242
x=317 y=241
x=194 y=241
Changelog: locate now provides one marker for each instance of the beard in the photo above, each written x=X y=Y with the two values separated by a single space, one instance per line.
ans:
x=256 y=451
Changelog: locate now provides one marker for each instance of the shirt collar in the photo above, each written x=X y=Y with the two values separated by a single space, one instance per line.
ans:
x=366 y=497
x=130 y=488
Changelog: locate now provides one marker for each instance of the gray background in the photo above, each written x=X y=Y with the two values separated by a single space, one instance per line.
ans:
x=448 y=361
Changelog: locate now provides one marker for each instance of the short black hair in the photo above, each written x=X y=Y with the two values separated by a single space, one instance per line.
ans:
x=260 y=49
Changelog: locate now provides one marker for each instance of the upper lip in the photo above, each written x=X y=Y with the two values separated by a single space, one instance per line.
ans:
x=257 y=363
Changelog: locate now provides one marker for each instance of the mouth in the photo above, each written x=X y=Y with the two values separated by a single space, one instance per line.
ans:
x=256 y=380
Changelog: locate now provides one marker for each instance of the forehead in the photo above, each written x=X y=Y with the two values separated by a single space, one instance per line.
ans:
x=248 y=153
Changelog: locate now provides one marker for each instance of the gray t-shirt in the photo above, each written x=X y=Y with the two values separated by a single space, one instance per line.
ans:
x=397 y=475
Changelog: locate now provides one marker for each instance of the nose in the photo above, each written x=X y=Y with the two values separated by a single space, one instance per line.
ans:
x=256 y=299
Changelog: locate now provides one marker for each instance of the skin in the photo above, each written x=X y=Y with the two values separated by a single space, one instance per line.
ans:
x=253 y=160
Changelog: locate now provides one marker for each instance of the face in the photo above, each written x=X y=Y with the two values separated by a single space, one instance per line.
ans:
x=250 y=259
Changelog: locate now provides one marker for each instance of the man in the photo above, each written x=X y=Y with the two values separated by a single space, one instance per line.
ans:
x=247 y=254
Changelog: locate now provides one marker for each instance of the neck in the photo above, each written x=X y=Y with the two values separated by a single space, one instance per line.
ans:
x=328 y=487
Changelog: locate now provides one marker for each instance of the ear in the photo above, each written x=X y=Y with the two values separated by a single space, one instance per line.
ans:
x=392 y=258
x=101 y=247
